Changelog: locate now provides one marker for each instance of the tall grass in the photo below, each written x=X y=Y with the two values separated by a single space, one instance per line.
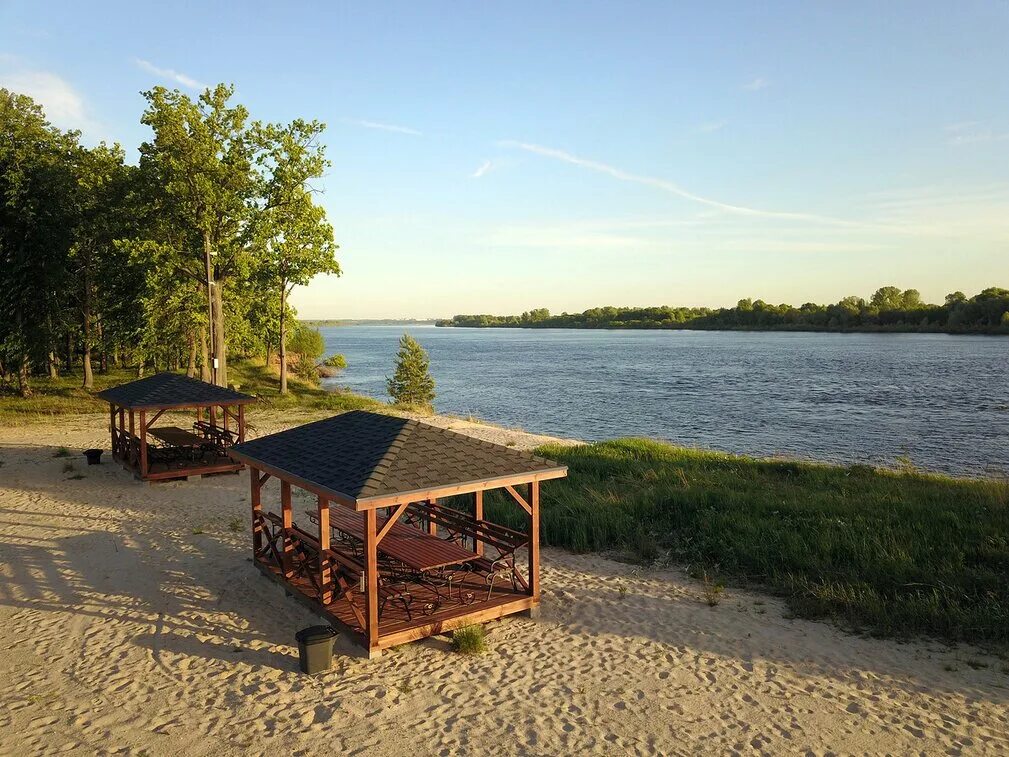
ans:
x=893 y=553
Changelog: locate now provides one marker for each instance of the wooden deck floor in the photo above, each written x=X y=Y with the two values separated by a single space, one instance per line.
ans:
x=158 y=471
x=431 y=614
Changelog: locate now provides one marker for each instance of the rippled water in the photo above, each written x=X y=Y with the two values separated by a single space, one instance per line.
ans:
x=941 y=400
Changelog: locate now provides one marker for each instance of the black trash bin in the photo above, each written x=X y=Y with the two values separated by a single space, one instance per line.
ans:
x=315 y=648
x=94 y=456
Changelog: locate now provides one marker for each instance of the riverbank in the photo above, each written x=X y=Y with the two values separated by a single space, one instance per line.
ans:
x=125 y=627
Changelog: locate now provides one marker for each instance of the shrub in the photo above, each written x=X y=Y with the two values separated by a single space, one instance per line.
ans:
x=412 y=384
x=469 y=640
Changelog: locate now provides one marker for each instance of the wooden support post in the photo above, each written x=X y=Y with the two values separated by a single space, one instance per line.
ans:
x=129 y=445
x=286 y=522
x=212 y=412
x=199 y=414
x=241 y=423
x=325 y=577
x=143 y=444
x=224 y=416
x=371 y=574
x=257 y=511
x=478 y=515
x=534 y=540
x=122 y=430
x=432 y=527
x=112 y=427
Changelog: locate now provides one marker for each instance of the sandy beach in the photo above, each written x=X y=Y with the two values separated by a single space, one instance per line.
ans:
x=124 y=629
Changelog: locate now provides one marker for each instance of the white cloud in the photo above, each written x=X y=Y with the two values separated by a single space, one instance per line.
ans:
x=64 y=106
x=485 y=168
x=973 y=132
x=711 y=126
x=382 y=126
x=170 y=74
x=668 y=186
x=757 y=84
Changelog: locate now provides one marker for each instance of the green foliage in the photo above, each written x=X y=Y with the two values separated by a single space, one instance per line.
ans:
x=337 y=362
x=412 y=385
x=889 y=309
x=470 y=639
x=214 y=227
x=307 y=345
x=888 y=552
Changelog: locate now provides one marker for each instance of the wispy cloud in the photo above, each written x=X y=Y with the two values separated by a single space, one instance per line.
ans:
x=973 y=132
x=170 y=74
x=64 y=106
x=757 y=84
x=670 y=187
x=710 y=126
x=381 y=126
x=485 y=168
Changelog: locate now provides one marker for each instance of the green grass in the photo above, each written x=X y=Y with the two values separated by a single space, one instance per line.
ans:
x=64 y=396
x=470 y=640
x=885 y=552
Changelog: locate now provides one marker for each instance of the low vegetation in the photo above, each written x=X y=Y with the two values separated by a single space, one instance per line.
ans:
x=470 y=639
x=887 y=552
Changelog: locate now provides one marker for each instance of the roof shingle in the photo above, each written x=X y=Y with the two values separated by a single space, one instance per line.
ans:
x=164 y=390
x=361 y=455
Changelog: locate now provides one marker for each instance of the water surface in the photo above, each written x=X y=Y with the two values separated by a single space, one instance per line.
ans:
x=942 y=401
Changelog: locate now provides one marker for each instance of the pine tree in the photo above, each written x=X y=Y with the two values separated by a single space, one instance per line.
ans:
x=412 y=384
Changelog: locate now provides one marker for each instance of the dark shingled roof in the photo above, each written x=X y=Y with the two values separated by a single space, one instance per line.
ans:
x=166 y=390
x=361 y=455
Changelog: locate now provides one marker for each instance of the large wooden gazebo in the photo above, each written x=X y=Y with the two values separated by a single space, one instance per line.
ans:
x=375 y=550
x=170 y=452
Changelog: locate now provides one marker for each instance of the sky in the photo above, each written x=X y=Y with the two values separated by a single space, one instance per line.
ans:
x=572 y=155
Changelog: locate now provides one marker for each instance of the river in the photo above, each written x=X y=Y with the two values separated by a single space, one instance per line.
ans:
x=940 y=401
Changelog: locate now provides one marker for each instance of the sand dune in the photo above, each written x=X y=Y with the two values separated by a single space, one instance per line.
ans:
x=123 y=631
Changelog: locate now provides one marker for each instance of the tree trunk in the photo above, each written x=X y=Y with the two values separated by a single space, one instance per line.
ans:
x=283 y=338
x=103 y=355
x=24 y=388
x=220 y=344
x=89 y=378
x=205 y=356
x=54 y=371
x=191 y=367
x=68 y=367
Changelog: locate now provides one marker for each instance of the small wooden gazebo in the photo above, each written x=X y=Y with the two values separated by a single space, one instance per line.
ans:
x=375 y=550
x=170 y=452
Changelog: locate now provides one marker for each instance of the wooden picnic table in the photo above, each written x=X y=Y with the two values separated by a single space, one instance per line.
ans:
x=177 y=437
x=411 y=546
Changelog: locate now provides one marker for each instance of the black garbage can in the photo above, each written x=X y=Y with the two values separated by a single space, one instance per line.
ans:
x=315 y=648
x=94 y=456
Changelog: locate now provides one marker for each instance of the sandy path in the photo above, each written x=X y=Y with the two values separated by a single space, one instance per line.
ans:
x=122 y=631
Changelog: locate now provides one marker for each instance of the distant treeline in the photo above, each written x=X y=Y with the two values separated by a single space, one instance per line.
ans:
x=889 y=309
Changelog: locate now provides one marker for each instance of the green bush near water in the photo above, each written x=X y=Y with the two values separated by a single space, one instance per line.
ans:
x=892 y=553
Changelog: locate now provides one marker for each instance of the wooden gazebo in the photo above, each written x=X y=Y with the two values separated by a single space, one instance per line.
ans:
x=375 y=550
x=170 y=452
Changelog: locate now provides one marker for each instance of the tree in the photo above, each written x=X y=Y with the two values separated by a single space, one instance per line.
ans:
x=37 y=219
x=293 y=240
x=412 y=383
x=201 y=158
x=102 y=185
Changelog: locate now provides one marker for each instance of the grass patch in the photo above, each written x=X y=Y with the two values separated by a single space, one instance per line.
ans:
x=885 y=552
x=469 y=640
x=64 y=396
x=61 y=452
x=235 y=525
